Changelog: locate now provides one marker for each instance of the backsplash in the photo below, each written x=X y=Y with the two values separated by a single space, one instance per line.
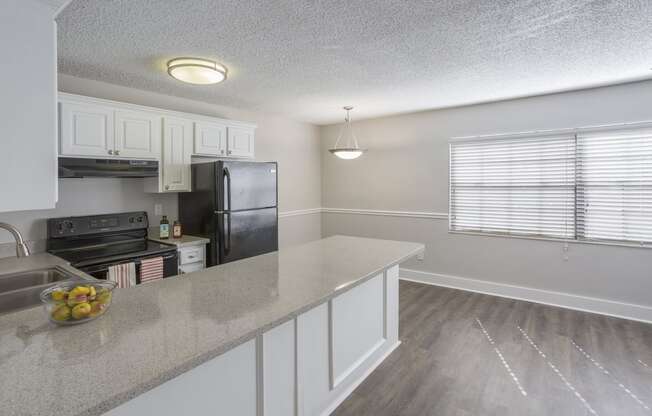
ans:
x=86 y=196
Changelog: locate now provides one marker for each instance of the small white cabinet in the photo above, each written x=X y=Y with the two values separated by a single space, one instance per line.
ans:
x=240 y=142
x=210 y=139
x=192 y=258
x=89 y=129
x=137 y=134
x=86 y=129
x=176 y=155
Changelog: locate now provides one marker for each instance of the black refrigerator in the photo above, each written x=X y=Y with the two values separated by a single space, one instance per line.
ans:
x=233 y=204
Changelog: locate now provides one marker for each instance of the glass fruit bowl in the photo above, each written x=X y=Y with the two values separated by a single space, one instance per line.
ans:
x=76 y=302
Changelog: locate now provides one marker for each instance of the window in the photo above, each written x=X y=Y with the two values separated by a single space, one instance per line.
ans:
x=514 y=186
x=614 y=186
x=593 y=185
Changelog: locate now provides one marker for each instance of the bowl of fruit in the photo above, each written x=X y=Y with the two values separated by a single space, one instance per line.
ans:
x=76 y=302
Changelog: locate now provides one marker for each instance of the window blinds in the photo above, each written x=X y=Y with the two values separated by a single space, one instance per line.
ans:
x=521 y=186
x=614 y=185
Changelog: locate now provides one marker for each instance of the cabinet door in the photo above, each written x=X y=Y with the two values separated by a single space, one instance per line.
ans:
x=138 y=134
x=86 y=130
x=279 y=370
x=177 y=150
x=223 y=386
x=240 y=142
x=210 y=139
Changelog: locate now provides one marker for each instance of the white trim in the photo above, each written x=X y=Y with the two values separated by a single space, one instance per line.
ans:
x=444 y=216
x=294 y=213
x=347 y=392
x=565 y=300
x=337 y=380
x=553 y=239
x=83 y=99
x=553 y=132
x=388 y=213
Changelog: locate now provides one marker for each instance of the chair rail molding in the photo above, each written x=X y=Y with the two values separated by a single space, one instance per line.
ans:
x=294 y=213
x=360 y=211
x=388 y=213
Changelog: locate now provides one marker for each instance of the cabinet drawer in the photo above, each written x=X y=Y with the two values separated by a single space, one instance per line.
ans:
x=192 y=267
x=191 y=255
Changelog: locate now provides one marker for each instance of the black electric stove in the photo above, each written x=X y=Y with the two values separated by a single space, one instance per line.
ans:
x=94 y=243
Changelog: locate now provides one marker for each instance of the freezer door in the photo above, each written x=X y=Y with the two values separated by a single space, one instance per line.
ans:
x=246 y=185
x=245 y=234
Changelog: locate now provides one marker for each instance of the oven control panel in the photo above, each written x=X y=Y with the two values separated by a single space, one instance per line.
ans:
x=95 y=224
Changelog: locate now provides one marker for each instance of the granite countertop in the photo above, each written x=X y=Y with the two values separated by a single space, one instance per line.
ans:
x=184 y=241
x=157 y=331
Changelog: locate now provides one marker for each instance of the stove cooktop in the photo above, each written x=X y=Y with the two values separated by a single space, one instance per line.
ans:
x=105 y=253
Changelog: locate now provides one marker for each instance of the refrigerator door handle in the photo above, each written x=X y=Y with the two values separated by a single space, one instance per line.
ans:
x=227 y=209
x=227 y=238
x=227 y=191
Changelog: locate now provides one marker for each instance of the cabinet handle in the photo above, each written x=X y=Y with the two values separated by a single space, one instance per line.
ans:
x=222 y=151
x=228 y=152
x=110 y=152
x=167 y=187
x=117 y=152
x=191 y=257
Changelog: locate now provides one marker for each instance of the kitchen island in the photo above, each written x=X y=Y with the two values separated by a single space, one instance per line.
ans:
x=290 y=332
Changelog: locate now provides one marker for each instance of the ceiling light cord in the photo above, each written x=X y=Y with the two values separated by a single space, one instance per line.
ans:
x=352 y=140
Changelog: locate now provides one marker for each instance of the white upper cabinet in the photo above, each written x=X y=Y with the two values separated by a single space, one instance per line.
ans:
x=137 y=134
x=96 y=128
x=210 y=139
x=240 y=142
x=177 y=151
x=86 y=130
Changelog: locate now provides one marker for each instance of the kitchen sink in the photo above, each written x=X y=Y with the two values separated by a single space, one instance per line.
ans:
x=22 y=290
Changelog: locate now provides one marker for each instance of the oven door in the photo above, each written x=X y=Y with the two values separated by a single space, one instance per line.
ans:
x=101 y=271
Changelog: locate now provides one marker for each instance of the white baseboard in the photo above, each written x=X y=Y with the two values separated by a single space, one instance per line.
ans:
x=349 y=389
x=564 y=300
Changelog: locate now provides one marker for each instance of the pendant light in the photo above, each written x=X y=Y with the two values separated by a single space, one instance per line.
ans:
x=350 y=148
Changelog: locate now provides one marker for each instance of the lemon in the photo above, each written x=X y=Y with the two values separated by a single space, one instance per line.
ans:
x=61 y=313
x=81 y=310
x=58 y=295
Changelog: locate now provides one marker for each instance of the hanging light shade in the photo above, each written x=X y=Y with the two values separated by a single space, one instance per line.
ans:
x=350 y=148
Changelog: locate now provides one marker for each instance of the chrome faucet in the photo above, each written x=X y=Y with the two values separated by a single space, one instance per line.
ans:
x=21 y=247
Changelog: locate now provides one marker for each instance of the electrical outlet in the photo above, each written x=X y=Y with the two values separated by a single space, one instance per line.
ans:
x=158 y=209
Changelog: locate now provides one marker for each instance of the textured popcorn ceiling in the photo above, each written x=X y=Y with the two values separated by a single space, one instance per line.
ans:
x=306 y=59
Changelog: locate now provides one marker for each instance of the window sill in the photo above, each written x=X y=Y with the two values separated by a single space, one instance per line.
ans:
x=557 y=240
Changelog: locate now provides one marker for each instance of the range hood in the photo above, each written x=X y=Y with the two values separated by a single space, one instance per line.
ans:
x=73 y=167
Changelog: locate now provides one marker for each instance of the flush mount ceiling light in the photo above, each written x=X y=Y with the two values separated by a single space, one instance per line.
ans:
x=196 y=71
x=350 y=149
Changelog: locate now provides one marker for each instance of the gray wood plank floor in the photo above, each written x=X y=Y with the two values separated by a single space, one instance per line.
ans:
x=465 y=354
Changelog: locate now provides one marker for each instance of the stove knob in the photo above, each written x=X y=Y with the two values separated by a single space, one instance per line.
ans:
x=131 y=220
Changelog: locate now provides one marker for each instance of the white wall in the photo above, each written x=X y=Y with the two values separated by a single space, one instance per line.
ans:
x=27 y=105
x=294 y=145
x=406 y=169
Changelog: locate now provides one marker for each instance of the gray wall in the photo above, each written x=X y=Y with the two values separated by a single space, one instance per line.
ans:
x=406 y=169
x=294 y=145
